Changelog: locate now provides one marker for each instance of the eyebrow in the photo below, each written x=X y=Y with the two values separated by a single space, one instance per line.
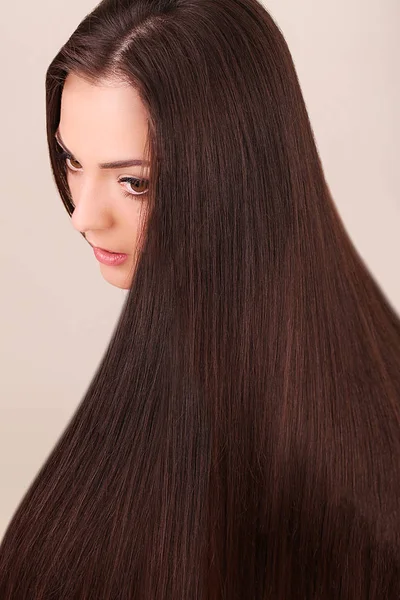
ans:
x=118 y=164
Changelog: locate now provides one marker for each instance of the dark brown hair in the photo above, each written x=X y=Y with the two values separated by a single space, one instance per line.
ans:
x=241 y=436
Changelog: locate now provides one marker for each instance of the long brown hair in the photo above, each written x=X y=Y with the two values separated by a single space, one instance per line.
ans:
x=241 y=436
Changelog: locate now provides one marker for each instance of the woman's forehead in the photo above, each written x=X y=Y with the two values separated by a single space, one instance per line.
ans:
x=104 y=120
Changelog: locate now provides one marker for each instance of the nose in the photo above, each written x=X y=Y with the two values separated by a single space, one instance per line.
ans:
x=91 y=210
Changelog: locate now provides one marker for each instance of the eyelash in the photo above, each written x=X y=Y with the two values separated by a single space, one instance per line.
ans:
x=64 y=156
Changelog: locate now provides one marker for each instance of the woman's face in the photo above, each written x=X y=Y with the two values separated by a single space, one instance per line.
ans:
x=103 y=124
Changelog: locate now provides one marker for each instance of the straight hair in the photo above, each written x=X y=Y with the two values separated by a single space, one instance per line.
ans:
x=240 y=438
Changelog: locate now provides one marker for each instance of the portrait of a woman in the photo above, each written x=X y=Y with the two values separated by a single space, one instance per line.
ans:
x=240 y=439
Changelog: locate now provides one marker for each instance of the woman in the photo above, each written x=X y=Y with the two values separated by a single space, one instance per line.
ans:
x=241 y=436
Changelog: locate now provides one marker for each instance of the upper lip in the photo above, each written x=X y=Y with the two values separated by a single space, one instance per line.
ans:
x=111 y=251
x=105 y=249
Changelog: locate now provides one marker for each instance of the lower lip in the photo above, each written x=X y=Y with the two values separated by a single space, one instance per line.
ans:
x=109 y=258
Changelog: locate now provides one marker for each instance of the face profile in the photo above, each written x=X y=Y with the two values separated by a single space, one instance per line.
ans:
x=101 y=136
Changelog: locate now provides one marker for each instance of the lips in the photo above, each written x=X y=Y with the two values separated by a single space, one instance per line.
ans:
x=104 y=249
x=109 y=251
x=109 y=258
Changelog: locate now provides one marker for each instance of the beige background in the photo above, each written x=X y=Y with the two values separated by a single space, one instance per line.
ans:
x=57 y=313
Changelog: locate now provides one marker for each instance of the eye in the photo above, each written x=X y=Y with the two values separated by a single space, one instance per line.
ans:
x=136 y=186
x=68 y=160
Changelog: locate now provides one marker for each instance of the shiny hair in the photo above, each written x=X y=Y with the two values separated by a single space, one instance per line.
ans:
x=240 y=438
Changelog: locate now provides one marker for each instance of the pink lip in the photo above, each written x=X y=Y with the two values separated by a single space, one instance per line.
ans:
x=109 y=258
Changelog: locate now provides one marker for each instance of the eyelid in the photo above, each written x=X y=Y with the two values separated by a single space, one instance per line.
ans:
x=67 y=156
x=62 y=152
x=63 y=155
x=121 y=179
x=128 y=179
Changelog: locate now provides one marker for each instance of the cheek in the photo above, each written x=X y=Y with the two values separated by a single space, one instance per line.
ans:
x=134 y=225
x=131 y=213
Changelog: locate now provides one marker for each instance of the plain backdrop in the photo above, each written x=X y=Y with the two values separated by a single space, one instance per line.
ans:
x=57 y=312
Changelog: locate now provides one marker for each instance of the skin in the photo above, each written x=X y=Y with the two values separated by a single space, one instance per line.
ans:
x=102 y=123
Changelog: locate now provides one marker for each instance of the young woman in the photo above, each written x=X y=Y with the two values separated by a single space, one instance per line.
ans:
x=241 y=436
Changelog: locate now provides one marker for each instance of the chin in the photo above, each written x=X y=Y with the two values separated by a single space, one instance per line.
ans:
x=120 y=286
x=117 y=279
